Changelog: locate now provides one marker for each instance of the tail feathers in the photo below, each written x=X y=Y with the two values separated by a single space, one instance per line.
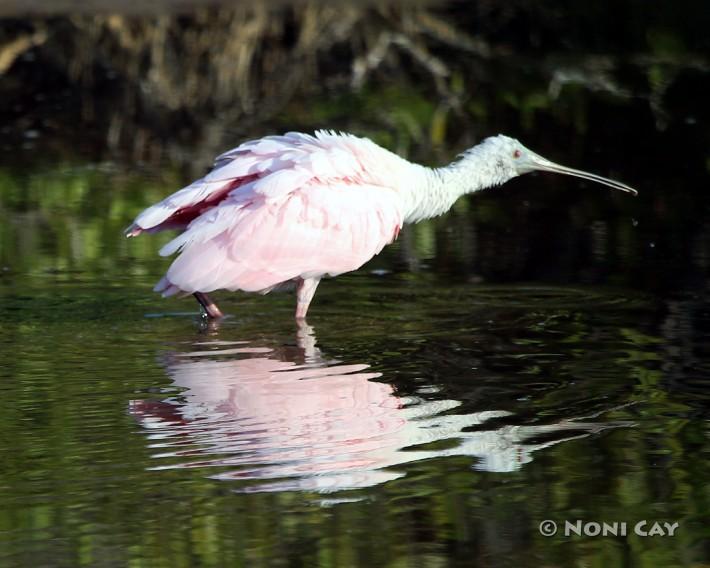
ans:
x=166 y=288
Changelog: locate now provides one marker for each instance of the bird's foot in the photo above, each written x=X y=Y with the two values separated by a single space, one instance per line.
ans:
x=209 y=308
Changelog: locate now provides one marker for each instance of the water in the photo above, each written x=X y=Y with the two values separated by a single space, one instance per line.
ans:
x=538 y=353
x=155 y=436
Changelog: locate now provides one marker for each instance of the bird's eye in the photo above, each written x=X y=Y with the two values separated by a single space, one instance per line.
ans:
x=516 y=154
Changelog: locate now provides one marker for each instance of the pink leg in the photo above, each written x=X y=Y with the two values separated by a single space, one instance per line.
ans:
x=213 y=312
x=304 y=294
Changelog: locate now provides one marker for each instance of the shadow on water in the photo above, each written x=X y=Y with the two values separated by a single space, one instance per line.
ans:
x=314 y=423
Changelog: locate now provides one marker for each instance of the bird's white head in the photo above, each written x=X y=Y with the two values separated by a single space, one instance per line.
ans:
x=505 y=158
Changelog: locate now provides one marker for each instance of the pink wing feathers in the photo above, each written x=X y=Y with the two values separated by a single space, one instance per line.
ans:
x=280 y=208
x=231 y=170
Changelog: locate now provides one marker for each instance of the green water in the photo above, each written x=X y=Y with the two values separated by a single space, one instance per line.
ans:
x=539 y=353
x=428 y=422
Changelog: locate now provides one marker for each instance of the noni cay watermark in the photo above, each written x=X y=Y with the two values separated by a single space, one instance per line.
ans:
x=578 y=527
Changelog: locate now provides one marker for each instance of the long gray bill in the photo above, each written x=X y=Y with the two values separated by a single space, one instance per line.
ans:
x=547 y=166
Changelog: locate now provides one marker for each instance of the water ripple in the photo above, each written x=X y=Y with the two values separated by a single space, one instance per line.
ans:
x=292 y=418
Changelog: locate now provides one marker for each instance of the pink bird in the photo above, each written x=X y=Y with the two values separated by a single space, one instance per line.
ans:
x=295 y=208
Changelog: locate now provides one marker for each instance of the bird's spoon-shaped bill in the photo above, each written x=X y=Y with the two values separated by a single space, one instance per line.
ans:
x=537 y=162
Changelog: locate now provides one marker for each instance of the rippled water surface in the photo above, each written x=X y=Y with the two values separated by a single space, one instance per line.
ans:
x=453 y=418
x=541 y=352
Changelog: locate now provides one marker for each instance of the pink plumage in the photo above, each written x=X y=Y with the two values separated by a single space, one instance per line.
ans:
x=295 y=208
x=280 y=209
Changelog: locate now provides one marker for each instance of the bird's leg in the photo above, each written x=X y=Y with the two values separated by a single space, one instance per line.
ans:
x=208 y=305
x=304 y=294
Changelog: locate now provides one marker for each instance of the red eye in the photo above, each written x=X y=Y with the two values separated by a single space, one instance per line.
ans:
x=516 y=154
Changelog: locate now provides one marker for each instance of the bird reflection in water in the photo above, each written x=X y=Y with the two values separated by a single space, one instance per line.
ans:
x=292 y=419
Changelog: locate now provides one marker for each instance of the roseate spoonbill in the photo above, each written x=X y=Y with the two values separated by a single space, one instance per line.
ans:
x=294 y=208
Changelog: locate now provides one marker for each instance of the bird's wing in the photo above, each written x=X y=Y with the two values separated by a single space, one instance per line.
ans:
x=316 y=228
x=276 y=163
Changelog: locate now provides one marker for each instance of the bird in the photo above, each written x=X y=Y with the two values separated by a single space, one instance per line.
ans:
x=290 y=209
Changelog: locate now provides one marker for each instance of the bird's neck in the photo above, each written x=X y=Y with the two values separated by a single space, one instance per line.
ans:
x=438 y=189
